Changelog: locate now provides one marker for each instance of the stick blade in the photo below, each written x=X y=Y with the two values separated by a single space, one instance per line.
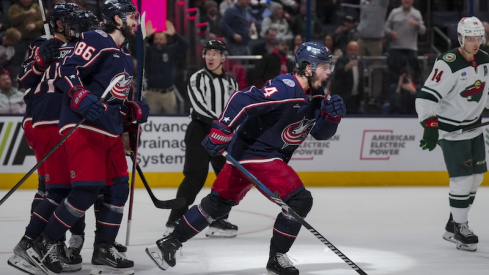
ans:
x=171 y=204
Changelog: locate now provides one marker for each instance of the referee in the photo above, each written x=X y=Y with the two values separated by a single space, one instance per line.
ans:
x=209 y=89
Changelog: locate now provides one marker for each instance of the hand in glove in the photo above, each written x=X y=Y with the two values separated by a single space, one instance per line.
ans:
x=218 y=139
x=430 y=134
x=46 y=53
x=333 y=108
x=86 y=104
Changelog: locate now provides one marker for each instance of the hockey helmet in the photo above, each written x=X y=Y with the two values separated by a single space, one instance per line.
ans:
x=60 y=12
x=112 y=8
x=81 y=21
x=470 y=26
x=312 y=53
x=215 y=45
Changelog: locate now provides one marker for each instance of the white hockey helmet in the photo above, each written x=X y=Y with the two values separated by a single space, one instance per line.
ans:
x=470 y=26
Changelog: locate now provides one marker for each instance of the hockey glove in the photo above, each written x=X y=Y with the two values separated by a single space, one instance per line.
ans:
x=218 y=139
x=333 y=108
x=45 y=54
x=86 y=104
x=137 y=111
x=430 y=134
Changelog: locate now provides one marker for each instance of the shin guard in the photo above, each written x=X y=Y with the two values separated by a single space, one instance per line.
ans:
x=285 y=231
x=193 y=222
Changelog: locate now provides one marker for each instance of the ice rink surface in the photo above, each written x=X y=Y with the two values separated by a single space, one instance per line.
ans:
x=390 y=230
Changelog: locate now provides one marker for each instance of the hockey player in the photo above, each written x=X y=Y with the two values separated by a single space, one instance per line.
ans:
x=96 y=157
x=262 y=128
x=453 y=97
x=42 y=52
x=208 y=89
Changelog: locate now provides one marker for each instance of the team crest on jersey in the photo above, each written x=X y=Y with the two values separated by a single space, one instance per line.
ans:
x=474 y=92
x=449 y=57
x=102 y=33
x=121 y=89
x=289 y=82
x=296 y=133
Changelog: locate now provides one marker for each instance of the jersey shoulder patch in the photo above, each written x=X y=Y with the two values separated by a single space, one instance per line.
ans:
x=449 y=57
x=289 y=82
x=102 y=33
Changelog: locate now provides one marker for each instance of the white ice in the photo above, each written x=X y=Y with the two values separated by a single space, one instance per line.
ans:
x=390 y=230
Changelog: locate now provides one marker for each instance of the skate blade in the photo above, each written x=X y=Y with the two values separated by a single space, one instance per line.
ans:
x=106 y=270
x=155 y=254
x=471 y=247
x=449 y=237
x=219 y=233
x=23 y=265
x=38 y=261
x=69 y=268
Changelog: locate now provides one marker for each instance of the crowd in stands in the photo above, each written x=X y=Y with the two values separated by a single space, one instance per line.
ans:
x=377 y=74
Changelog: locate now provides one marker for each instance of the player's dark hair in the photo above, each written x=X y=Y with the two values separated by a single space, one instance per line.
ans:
x=301 y=71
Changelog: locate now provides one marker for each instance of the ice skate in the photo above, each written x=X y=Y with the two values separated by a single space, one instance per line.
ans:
x=120 y=247
x=170 y=226
x=465 y=238
x=222 y=228
x=69 y=261
x=280 y=264
x=163 y=253
x=42 y=252
x=448 y=236
x=107 y=260
x=20 y=259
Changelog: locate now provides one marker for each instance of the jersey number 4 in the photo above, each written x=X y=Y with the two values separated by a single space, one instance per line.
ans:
x=85 y=52
x=437 y=76
x=270 y=91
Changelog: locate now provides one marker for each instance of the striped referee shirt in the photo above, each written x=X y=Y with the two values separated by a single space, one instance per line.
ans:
x=209 y=92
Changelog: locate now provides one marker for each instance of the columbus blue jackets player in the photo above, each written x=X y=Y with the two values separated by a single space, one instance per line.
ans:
x=96 y=156
x=273 y=121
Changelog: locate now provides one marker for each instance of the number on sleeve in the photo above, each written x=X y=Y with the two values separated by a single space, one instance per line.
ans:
x=270 y=91
x=84 y=51
x=437 y=76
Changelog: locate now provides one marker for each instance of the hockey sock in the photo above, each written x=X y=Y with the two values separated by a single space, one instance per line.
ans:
x=41 y=192
x=285 y=232
x=109 y=219
x=40 y=217
x=459 y=197
x=96 y=209
x=79 y=227
x=192 y=223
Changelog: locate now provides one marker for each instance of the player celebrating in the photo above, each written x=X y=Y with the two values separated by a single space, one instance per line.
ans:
x=96 y=156
x=208 y=89
x=452 y=98
x=263 y=127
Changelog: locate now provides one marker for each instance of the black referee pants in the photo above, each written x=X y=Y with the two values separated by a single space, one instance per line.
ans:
x=196 y=166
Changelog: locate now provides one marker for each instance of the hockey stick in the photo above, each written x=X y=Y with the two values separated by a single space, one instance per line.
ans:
x=467 y=129
x=140 y=70
x=296 y=216
x=62 y=140
x=47 y=31
x=168 y=204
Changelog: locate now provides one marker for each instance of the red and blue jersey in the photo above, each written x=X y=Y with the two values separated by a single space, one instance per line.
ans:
x=46 y=98
x=94 y=62
x=273 y=121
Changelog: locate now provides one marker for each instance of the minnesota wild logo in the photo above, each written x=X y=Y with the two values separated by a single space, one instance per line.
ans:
x=474 y=92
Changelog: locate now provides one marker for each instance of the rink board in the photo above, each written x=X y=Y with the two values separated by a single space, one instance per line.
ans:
x=364 y=152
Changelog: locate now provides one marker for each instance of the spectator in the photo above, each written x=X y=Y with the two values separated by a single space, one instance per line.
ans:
x=296 y=42
x=273 y=64
x=235 y=26
x=330 y=44
x=402 y=94
x=266 y=46
x=225 y=5
x=213 y=19
x=11 y=99
x=161 y=69
x=277 y=21
x=8 y=40
x=348 y=78
x=403 y=25
x=371 y=33
x=298 y=24
x=345 y=33
x=485 y=46
x=25 y=16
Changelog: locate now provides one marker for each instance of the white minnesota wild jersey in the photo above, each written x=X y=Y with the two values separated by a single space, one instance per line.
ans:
x=456 y=92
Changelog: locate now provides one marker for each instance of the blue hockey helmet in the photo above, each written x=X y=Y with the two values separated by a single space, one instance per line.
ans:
x=312 y=53
x=60 y=12
x=80 y=21
x=112 y=8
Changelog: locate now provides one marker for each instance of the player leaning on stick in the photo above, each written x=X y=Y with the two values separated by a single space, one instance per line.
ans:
x=273 y=121
x=209 y=89
x=96 y=156
x=453 y=97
